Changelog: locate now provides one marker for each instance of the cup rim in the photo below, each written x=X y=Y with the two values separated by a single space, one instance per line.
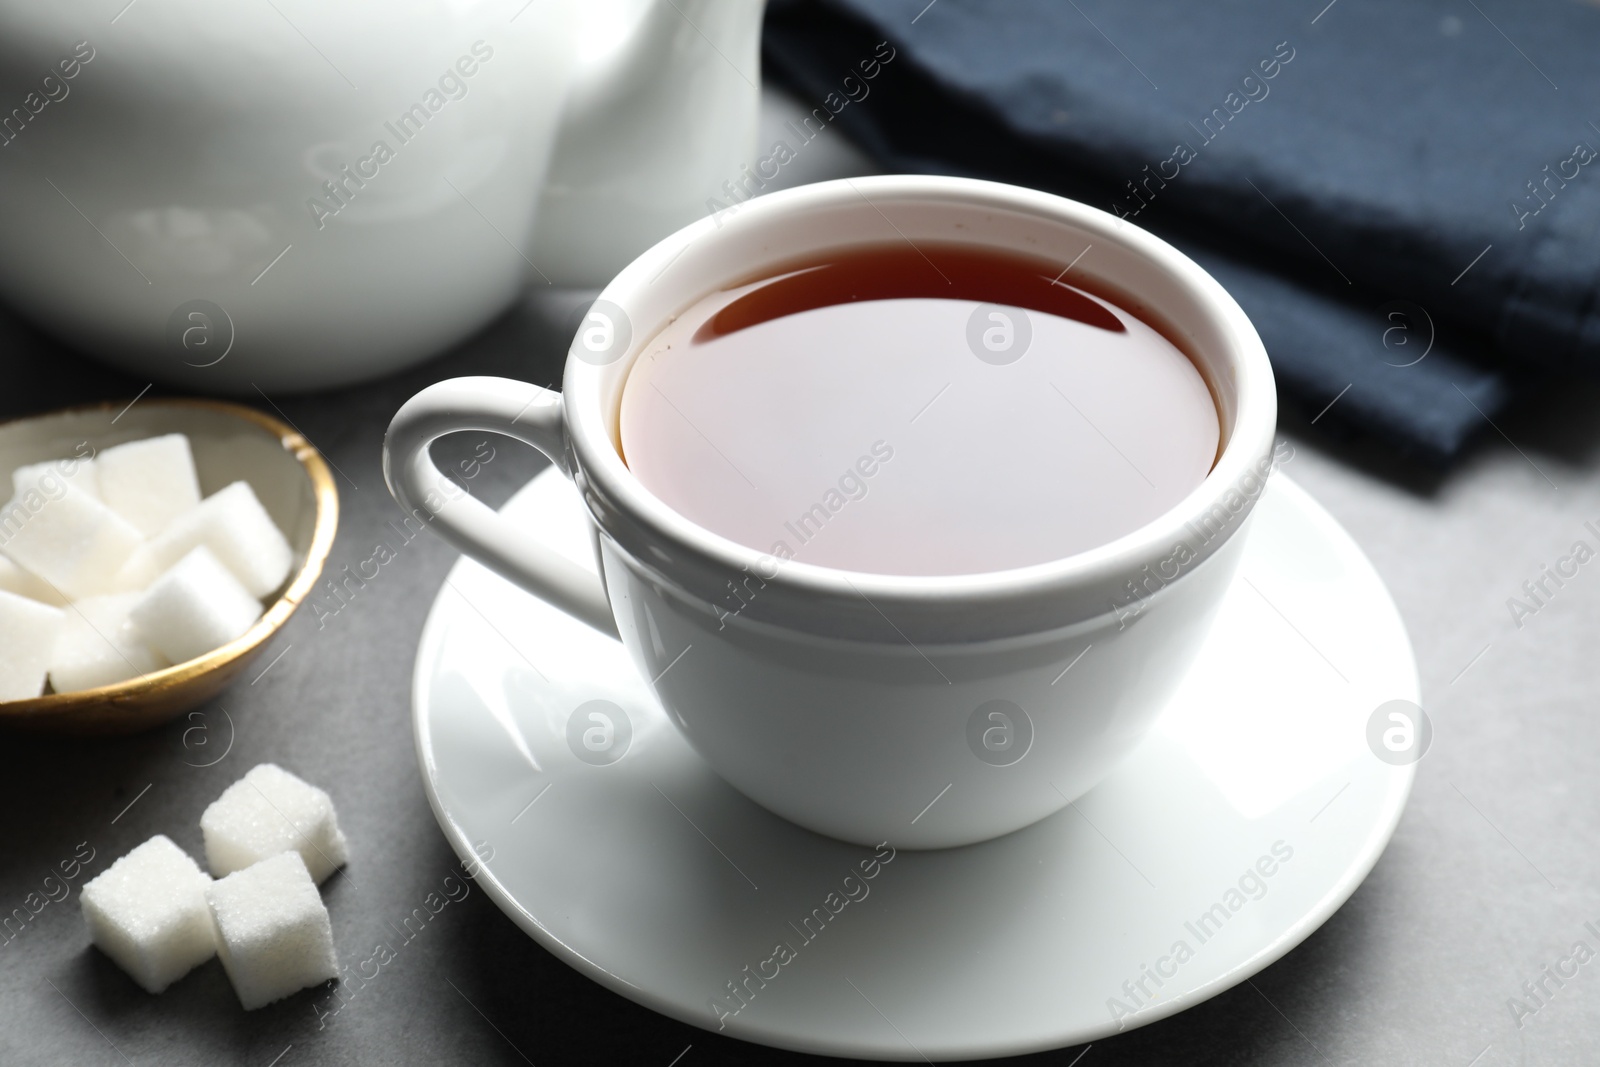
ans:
x=672 y=545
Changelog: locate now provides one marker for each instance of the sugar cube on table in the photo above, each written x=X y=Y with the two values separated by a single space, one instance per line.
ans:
x=27 y=638
x=273 y=932
x=232 y=524
x=13 y=579
x=78 y=471
x=148 y=912
x=269 y=811
x=195 y=607
x=68 y=538
x=149 y=482
x=98 y=644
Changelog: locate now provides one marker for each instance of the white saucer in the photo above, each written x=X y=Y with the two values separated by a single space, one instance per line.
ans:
x=652 y=876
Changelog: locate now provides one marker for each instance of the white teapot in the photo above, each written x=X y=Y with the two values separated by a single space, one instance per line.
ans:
x=294 y=194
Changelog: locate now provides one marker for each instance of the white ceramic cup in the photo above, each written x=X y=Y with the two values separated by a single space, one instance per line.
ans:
x=922 y=711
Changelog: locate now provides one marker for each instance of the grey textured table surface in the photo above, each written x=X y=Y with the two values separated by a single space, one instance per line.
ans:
x=1489 y=880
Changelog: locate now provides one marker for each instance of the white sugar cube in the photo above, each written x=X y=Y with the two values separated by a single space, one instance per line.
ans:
x=27 y=637
x=67 y=537
x=148 y=912
x=195 y=607
x=13 y=579
x=136 y=575
x=269 y=811
x=233 y=525
x=149 y=482
x=273 y=932
x=79 y=471
x=98 y=644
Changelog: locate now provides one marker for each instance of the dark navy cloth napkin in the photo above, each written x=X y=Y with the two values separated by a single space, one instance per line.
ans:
x=1404 y=197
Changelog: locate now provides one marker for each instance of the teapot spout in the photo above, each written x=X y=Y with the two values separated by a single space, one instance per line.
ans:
x=650 y=134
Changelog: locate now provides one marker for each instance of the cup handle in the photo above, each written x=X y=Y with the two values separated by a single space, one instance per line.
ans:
x=525 y=412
